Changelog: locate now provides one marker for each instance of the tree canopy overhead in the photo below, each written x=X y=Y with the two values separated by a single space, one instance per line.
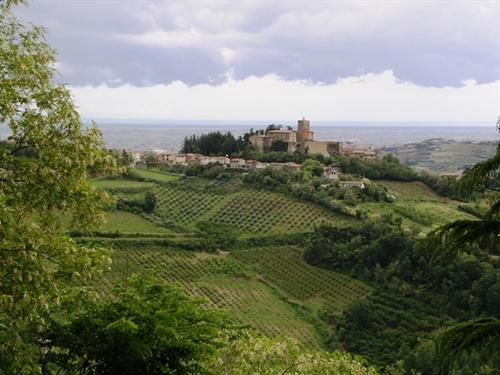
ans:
x=43 y=177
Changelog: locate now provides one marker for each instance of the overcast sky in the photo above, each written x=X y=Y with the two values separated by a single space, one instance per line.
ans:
x=277 y=60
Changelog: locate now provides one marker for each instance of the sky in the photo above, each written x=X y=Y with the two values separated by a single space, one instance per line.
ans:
x=277 y=60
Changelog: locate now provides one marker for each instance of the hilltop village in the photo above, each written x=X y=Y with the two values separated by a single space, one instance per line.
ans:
x=303 y=140
x=300 y=140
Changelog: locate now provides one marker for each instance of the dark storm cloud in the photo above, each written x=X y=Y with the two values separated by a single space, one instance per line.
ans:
x=149 y=43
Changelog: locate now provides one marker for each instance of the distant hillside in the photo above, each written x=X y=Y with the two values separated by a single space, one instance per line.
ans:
x=441 y=155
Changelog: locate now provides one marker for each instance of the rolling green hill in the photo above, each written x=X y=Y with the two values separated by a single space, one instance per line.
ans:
x=261 y=277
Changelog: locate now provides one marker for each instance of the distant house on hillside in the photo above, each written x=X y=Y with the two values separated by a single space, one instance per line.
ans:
x=331 y=173
x=362 y=154
x=206 y=160
x=277 y=166
x=251 y=164
x=359 y=184
x=237 y=163
x=453 y=175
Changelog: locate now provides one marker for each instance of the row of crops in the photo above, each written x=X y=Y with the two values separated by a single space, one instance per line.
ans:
x=224 y=282
x=284 y=268
x=231 y=283
x=185 y=206
x=263 y=287
x=251 y=211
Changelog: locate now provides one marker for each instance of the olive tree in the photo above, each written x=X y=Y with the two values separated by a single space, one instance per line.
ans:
x=44 y=167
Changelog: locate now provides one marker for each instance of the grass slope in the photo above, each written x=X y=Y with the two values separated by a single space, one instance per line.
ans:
x=127 y=223
x=419 y=206
x=151 y=174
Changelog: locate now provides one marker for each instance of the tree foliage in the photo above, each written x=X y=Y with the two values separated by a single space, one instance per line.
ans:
x=279 y=146
x=388 y=167
x=215 y=143
x=384 y=327
x=39 y=188
x=479 y=336
x=356 y=248
x=148 y=327
x=243 y=353
x=149 y=202
x=449 y=240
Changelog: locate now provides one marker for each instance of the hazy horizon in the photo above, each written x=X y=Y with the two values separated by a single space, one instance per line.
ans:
x=292 y=123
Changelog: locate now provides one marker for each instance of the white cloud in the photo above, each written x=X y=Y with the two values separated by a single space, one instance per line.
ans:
x=469 y=82
x=370 y=97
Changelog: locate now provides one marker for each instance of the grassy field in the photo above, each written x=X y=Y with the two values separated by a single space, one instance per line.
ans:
x=154 y=175
x=120 y=184
x=127 y=223
x=420 y=207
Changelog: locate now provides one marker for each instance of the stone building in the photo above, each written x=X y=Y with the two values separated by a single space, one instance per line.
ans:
x=263 y=143
x=303 y=140
x=303 y=134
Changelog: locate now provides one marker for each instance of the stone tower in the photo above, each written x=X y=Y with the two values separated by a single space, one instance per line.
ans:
x=303 y=131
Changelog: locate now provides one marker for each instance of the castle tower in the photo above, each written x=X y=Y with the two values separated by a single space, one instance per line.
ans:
x=303 y=131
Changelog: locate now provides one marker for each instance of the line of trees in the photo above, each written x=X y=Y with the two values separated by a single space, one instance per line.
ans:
x=215 y=143
x=220 y=144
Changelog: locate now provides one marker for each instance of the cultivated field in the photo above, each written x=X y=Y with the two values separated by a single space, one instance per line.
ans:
x=155 y=175
x=269 y=287
x=248 y=211
x=226 y=283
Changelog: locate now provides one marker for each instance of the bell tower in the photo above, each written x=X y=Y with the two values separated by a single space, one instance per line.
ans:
x=303 y=131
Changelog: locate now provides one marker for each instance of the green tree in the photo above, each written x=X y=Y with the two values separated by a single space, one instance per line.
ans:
x=39 y=189
x=279 y=146
x=449 y=240
x=149 y=327
x=273 y=127
x=311 y=168
x=149 y=202
x=482 y=335
x=243 y=353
